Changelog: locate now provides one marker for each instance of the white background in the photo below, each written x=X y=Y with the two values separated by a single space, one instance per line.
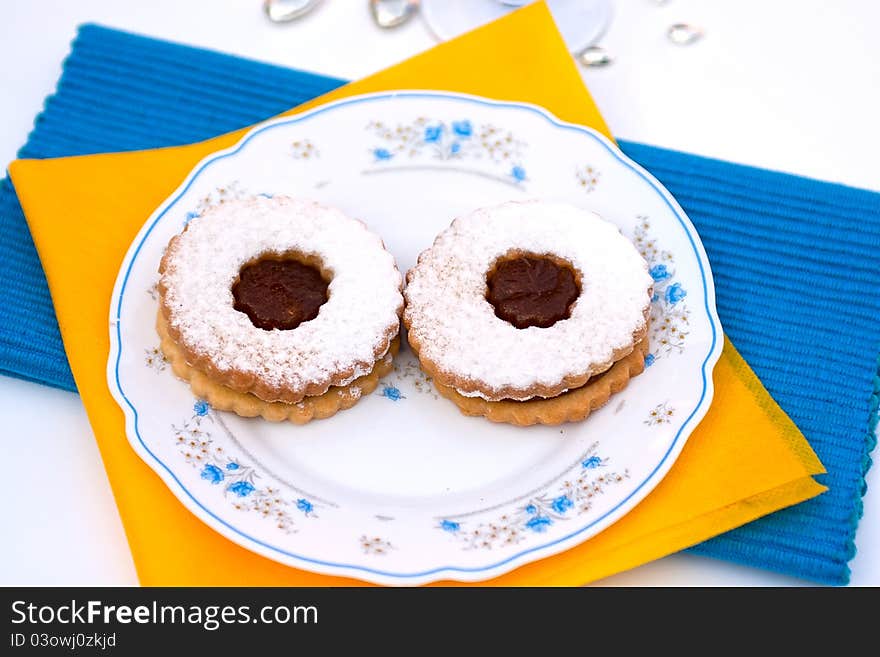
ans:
x=792 y=85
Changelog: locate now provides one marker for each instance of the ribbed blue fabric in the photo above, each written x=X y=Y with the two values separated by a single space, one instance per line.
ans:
x=795 y=264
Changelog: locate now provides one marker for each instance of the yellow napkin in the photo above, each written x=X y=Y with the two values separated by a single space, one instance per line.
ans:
x=746 y=458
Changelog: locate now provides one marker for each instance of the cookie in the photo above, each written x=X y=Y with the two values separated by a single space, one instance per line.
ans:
x=571 y=406
x=279 y=298
x=526 y=300
x=221 y=398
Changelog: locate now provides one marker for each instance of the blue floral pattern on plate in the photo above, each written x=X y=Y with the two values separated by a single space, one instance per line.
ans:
x=391 y=392
x=670 y=316
x=238 y=481
x=494 y=151
x=588 y=478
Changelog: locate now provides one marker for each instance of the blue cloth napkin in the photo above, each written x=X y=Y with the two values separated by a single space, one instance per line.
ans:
x=795 y=264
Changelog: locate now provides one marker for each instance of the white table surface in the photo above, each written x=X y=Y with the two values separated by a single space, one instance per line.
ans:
x=789 y=85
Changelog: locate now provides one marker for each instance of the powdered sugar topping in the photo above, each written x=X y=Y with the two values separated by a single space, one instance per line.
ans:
x=456 y=327
x=359 y=317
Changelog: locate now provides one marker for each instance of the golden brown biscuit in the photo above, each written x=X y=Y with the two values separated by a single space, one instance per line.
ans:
x=571 y=406
x=220 y=397
x=526 y=299
x=279 y=297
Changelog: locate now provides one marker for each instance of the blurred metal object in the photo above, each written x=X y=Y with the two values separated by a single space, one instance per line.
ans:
x=284 y=11
x=391 y=13
x=683 y=34
x=594 y=57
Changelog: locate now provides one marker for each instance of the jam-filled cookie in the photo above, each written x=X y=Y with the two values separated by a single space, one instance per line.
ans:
x=279 y=307
x=529 y=312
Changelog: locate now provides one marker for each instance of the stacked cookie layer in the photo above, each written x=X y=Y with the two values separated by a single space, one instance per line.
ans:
x=224 y=346
x=519 y=356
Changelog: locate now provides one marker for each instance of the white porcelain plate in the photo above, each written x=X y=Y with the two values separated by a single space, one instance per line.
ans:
x=403 y=489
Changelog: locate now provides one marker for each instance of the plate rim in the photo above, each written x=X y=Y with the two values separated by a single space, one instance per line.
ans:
x=378 y=575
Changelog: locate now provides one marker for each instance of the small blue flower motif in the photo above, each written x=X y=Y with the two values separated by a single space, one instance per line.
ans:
x=392 y=393
x=212 y=473
x=241 y=488
x=455 y=149
x=659 y=273
x=232 y=465
x=449 y=526
x=531 y=509
x=304 y=505
x=433 y=133
x=539 y=523
x=655 y=298
x=190 y=216
x=201 y=408
x=518 y=173
x=649 y=360
x=675 y=293
x=591 y=463
x=382 y=154
x=265 y=195
x=462 y=128
x=561 y=504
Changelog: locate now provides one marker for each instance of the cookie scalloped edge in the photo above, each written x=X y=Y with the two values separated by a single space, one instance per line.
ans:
x=571 y=406
x=222 y=398
x=248 y=383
